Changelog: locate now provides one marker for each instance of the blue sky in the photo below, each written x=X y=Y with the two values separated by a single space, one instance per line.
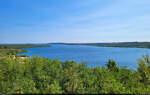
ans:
x=43 y=21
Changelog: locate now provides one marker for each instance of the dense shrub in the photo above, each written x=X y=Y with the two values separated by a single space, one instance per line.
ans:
x=44 y=76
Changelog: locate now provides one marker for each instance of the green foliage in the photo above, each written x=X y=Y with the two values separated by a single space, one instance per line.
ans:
x=144 y=69
x=41 y=75
x=112 y=66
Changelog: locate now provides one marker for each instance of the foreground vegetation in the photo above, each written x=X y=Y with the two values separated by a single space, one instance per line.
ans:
x=119 y=44
x=38 y=75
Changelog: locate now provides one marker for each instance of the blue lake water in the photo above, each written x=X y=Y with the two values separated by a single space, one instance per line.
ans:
x=94 y=56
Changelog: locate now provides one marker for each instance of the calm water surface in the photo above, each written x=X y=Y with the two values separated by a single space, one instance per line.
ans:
x=94 y=56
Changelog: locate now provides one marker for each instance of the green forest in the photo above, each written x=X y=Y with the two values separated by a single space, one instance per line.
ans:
x=37 y=75
x=117 y=44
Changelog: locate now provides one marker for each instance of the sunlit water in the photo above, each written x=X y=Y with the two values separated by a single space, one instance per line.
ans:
x=94 y=56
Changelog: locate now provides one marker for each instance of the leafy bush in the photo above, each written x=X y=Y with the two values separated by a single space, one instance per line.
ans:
x=45 y=76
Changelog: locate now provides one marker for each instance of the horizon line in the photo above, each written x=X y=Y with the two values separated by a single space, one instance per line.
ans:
x=73 y=42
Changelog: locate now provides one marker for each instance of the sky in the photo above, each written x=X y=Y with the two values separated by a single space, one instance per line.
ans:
x=74 y=21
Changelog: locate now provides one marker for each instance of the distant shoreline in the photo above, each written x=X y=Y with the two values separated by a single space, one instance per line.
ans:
x=114 y=44
x=14 y=49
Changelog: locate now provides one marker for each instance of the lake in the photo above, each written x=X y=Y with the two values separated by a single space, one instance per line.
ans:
x=94 y=56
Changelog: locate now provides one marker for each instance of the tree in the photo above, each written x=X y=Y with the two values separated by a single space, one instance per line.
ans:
x=144 y=69
x=112 y=66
